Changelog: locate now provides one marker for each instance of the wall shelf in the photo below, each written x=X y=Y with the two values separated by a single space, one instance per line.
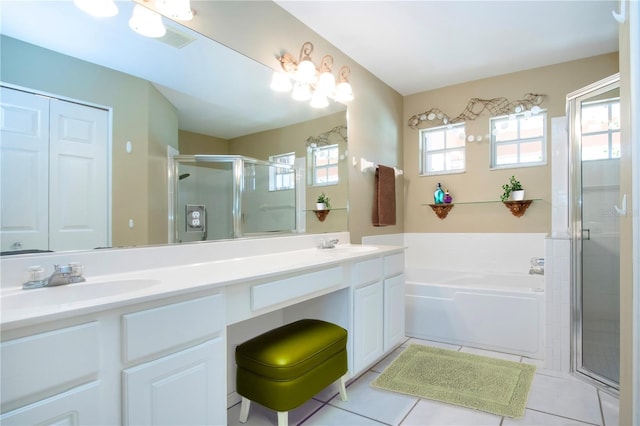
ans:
x=441 y=210
x=321 y=214
x=517 y=208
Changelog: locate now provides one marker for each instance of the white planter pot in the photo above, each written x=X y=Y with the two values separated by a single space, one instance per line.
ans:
x=517 y=195
x=321 y=206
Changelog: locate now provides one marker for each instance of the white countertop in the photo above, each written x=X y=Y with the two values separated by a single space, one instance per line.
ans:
x=21 y=308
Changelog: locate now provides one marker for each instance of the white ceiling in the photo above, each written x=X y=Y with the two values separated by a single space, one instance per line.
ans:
x=415 y=46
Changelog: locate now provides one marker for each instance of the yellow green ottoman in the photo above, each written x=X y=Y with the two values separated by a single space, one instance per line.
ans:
x=283 y=368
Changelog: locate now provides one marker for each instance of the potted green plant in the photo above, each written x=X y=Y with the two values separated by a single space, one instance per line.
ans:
x=512 y=190
x=322 y=203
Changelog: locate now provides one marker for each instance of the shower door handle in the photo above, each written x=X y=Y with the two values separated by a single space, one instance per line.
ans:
x=588 y=231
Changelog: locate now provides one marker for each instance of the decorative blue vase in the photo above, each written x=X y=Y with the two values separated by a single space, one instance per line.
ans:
x=438 y=196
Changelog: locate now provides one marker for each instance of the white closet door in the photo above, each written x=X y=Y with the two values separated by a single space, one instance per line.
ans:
x=24 y=171
x=78 y=179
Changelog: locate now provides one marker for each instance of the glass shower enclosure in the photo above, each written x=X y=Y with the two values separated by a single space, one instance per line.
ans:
x=594 y=116
x=219 y=197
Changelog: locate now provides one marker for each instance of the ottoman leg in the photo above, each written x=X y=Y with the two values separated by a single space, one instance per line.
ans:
x=343 y=387
x=283 y=418
x=244 y=409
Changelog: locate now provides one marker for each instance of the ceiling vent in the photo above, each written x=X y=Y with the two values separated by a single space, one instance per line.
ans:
x=176 y=38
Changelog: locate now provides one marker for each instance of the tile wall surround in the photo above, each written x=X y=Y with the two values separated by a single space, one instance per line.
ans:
x=558 y=262
x=111 y=261
x=490 y=252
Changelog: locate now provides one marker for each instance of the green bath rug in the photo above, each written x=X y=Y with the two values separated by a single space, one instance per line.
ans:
x=473 y=381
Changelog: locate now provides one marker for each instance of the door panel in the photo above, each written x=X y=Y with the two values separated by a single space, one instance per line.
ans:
x=78 y=178
x=24 y=152
x=595 y=223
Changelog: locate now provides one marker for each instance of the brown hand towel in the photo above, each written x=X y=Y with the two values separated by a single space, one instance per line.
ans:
x=384 y=198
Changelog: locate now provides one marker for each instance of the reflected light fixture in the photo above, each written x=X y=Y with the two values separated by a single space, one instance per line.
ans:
x=175 y=9
x=147 y=22
x=98 y=8
x=309 y=82
x=144 y=21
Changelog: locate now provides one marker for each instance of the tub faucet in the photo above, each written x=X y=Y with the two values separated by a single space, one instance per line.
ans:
x=328 y=244
x=537 y=266
x=68 y=274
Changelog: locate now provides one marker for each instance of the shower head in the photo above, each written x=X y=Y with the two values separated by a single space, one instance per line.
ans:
x=184 y=176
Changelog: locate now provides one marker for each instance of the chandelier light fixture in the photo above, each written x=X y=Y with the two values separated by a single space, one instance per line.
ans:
x=146 y=22
x=310 y=83
x=175 y=9
x=143 y=21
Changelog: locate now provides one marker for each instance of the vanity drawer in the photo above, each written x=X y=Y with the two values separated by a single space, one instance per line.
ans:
x=172 y=327
x=368 y=271
x=272 y=293
x=42 y=365
x=393 y=264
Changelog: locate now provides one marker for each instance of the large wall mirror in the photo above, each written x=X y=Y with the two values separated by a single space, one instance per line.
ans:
x=182 y=93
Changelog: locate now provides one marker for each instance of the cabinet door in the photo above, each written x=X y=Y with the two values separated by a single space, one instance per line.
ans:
x=79 y=406
x=186 y=388
x=393 y=311
x=367 y=327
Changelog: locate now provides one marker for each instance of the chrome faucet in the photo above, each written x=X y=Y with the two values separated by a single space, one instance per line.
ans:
x=68 y=274
x=328 y=244
x=537 y=266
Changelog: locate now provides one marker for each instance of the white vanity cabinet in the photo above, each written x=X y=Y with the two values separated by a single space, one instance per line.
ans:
x=53 y=378
x=378 y=308
x=162 y=362
x=394 y=301
x=183 y=376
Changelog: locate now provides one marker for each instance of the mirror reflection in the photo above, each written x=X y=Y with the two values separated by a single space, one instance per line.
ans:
x=185 y=95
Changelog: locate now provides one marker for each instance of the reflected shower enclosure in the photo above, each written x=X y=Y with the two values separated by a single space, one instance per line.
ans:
x=229 y=196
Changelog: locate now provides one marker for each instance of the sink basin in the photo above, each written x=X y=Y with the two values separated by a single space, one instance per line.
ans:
x=350 y=248
x=72 y=293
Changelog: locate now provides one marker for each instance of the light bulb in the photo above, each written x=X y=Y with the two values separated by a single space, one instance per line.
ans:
x=326 y=84
x=98 y=8
x=301 y=92
x=280 y=82
x=319 y=100
x=306 y=72
x=147 y=22
x=344 y=93
x=175 y=9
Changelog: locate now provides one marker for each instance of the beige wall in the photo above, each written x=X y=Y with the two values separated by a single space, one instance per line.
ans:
x=479 y=182
x=136 y=106
x=194 y=143
x=163 y=132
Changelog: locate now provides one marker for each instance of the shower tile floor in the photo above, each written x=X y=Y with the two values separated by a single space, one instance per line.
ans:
x=554 y=399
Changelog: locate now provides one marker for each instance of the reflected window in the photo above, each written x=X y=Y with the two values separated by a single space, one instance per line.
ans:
x=281 y=178
x=442 y=150
x=324 y=165
x=601 y=130
x=519 y=140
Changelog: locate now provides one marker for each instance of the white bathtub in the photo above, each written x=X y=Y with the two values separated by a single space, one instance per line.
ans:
x=499 y=312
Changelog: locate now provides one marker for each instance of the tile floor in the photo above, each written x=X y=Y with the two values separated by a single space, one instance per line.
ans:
x=553 y=400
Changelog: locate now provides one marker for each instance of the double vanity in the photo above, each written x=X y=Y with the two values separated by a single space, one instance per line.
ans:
x=154 y=343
